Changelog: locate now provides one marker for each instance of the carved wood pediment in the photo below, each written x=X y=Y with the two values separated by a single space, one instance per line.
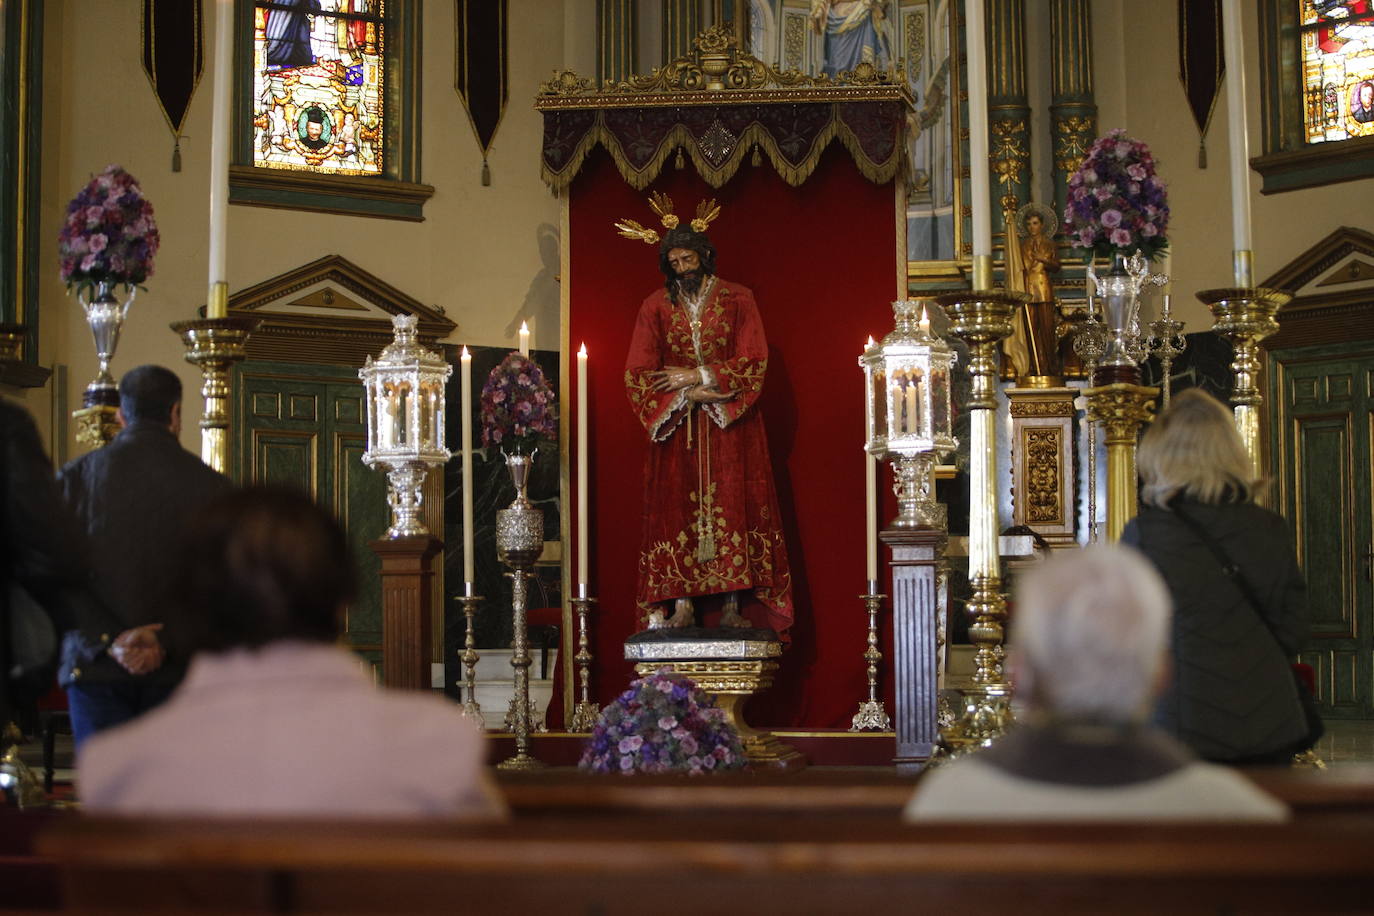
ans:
x=330 y=311
x=1333 y=292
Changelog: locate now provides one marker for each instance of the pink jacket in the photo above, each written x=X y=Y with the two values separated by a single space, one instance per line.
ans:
x=290 y=729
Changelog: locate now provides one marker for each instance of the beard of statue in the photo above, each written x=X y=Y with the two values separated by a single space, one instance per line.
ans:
x=689 y=282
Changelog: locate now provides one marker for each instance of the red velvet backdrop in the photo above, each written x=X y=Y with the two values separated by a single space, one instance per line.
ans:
x=821 y=260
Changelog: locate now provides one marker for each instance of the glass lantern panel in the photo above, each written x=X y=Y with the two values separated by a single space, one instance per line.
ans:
x=880 y=411
x=939 y=400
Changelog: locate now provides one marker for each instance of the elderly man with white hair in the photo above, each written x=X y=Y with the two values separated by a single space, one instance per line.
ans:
x=1088 y=655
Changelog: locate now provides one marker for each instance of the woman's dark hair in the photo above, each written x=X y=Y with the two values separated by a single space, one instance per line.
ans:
x=263 y=564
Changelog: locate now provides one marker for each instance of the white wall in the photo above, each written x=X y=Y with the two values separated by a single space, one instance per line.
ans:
x=488 y=255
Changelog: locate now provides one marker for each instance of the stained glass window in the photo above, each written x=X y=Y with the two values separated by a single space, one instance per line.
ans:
x=318 y=88
x=1337 y=68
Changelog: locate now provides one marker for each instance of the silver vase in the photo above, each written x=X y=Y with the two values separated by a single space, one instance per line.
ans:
x=105 y=315
x=519 y=542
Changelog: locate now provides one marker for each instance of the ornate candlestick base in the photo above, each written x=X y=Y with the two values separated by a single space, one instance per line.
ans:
x=585 y=712
x=96 y=425
x=871 y=714
x=1245 y=316
x=471 y=708
x=519 y=541
x=215 y=344
x=1121 y=408
x=731 y=670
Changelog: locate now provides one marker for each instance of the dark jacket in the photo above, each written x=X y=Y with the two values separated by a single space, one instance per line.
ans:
x=42 y=562
x=136 y=497
x=1232 y=695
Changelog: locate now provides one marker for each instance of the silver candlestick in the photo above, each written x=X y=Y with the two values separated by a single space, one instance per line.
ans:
x=871 y=714
x=585 y=712
x=471 y=708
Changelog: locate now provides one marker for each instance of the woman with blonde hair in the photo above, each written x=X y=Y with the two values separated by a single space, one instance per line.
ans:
x=1240 y=602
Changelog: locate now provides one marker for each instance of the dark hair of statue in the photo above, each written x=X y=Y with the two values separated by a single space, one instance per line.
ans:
x=689 y=238
x=260 y=565
x=149 y=393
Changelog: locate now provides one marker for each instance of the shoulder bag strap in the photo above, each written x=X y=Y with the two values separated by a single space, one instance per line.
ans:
x=1228 y=566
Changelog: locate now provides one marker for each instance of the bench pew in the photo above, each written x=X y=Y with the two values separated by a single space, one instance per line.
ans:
x=726 y=864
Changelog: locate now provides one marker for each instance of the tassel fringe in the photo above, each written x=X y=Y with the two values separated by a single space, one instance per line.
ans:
x=486 y=174
x=176 y=156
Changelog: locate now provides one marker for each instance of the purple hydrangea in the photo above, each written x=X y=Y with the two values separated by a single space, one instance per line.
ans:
x=517 y=405
x=1127 y=209
x=109 y=234
x=663 y=724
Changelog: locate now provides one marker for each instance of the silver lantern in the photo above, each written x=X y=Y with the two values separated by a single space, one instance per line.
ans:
x=405 y=421
x=910 y=418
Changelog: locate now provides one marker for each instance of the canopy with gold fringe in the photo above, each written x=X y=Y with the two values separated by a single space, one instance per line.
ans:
x=717 y=105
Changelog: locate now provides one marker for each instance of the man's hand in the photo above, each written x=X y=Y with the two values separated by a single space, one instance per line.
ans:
x=706 y=394
x=137 y=650
x=673 y=378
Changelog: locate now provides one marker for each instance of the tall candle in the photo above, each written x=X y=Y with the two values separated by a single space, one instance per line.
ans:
x=582 y=524
x=1237 y=137
x=467 y=471
x=524 y=338
x=870 y=489
x=980 y=198
x=219 y=159
x=913 y=420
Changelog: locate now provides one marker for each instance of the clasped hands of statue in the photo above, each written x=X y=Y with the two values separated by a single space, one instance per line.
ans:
x=675 y=378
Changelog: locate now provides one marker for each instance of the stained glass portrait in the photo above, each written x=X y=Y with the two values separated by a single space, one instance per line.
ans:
x=318 y=90
x=1337 y=68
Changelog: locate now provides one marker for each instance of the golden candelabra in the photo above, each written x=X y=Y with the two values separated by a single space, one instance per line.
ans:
x=871 y=714
x=1121 y=408
x=214 y=345
x=585 y=711
x=1245 y=315
x=982 y=317
x=471 y=708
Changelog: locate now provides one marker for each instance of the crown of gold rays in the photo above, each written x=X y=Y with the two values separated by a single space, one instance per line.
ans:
x=662 y=204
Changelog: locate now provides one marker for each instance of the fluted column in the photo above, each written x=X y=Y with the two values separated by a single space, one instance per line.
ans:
x=1073 y=111
x=1008 y=107
x=681 y=23
x=617 y=27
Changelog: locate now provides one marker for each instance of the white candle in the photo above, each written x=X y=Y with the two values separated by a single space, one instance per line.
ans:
x=871 y=501
x=870 y=487
x=524 y=338
x=219 y=157
x=468 y=576
x=913 y=421
x=980 y=199
x=1235 y=123
x=1165 y=316
x=582 y=457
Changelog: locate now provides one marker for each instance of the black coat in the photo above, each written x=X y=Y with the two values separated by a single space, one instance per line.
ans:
x=1231 y=695
x=136 y=498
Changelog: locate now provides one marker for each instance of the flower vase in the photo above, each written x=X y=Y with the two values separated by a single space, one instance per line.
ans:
x=105 y=315
x=520 y=466
x=1120 y=289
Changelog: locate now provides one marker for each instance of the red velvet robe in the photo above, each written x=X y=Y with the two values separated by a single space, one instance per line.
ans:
x=711 y=520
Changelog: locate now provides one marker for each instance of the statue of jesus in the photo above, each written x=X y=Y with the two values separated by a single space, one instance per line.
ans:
x=694 y=374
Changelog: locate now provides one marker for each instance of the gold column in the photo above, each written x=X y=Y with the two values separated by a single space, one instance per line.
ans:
x=1245 y=315
x=215 y=344
x=1120 y=408
x=982 y=317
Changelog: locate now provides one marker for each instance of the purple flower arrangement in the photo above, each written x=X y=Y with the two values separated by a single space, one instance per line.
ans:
x=517 y=405
x=663 y=724
x=109 y=234
x=1116 y=202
